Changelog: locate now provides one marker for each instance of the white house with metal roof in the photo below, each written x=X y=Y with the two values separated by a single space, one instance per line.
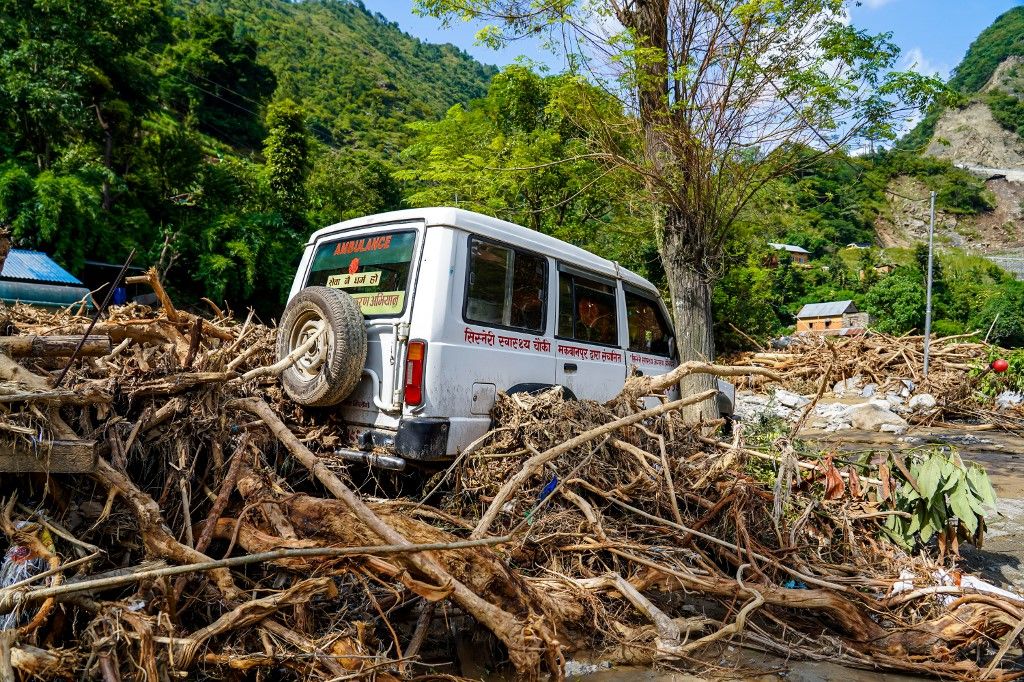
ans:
x=797 y=253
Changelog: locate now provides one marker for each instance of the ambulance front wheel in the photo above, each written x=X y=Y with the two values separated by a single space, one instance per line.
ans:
x=322 y=330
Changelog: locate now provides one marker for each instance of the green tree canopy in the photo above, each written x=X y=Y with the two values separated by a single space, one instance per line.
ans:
x=897 y=302
x=519 y=154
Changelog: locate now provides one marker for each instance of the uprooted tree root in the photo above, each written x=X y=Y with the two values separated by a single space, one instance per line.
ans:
x=219 y=535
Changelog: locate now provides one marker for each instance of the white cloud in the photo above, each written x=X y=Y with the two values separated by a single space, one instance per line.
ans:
x=914 y=60
x=875 y=4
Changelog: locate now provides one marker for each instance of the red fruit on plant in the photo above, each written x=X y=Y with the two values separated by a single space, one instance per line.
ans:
x=1000 y=365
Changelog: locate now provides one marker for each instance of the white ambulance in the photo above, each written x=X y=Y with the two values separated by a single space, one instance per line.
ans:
x=418 y=318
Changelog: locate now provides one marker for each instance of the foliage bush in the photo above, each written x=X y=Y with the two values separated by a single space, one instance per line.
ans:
x=1007 y=110
x=897 y=302
x=1004 y=315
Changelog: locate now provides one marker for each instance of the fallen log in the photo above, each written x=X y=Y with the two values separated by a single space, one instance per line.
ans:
x=36 y=346
x=48 y=456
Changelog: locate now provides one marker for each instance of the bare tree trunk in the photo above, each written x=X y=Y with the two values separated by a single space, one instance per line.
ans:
x=684 y=248
x=689 y=283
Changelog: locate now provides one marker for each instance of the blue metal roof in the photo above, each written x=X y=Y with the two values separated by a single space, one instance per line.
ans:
x=35 y=266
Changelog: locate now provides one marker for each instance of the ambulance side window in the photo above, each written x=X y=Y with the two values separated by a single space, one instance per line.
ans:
x=649 y=331
x=586 y=310
x=506 y=287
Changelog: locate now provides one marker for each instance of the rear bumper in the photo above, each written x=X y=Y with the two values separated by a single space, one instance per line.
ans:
x=417 y=439
x=422 y=439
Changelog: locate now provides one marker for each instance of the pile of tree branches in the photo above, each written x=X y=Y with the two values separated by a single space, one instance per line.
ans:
x=215 y=532
x=959 y=375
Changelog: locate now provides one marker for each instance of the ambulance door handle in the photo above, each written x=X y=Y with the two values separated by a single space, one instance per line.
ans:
x=569 y=367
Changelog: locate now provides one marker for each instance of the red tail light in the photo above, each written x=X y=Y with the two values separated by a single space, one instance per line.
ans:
x=414 y=373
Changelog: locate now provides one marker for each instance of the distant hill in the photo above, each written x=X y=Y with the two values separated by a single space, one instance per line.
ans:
x=1003 y=40
x=978 y=126
x=359 y=77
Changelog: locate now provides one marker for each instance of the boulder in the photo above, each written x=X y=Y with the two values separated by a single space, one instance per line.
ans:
x=872 y=416
x=830 y=410
x=908 y=388
x=850 y=385
x=750 y=407
x=869 y=390
x=790 y=399
x=922 y=402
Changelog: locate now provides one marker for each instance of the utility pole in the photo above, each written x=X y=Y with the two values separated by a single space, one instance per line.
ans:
x=928 y=295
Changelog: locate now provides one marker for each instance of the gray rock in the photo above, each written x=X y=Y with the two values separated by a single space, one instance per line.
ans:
x=830 y=410
x=790 y=399
x=575 y=668
x=869 y=390
x=893 y=428
x=922 y=402
x=908 y=387
x=894 y=400
x=850 y=385
x=750 y=407
x=871 y=416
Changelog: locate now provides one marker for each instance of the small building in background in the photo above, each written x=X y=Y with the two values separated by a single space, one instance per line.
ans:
x=33 y=277
x=834 y=317
x=800 y=255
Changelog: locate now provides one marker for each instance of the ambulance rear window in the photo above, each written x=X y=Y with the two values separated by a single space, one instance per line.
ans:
x=373 y=268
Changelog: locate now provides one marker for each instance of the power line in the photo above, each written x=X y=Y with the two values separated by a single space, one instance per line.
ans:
x=313 y=126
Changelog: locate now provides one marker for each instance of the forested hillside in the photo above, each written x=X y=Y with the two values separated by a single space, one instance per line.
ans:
x=210 y=137
x=358 y=77
x=214 y=137
x=997 y=43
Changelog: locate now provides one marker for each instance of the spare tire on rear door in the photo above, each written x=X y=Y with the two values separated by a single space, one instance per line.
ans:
x=328 y=372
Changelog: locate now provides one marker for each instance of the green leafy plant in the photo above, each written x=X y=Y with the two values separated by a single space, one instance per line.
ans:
x=946 y=489
x=992 y=384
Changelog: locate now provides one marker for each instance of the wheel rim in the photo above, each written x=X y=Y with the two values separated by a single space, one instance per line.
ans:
x=306 y=327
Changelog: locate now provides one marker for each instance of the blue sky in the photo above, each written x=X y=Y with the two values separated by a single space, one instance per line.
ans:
x=932 y=33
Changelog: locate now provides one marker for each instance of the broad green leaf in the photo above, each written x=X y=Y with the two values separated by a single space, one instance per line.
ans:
x=928 y=530
x=907 y=492
x=977 y=505
x=979 y=481
x=959 y=502
x=930 y=478
x=916 y=522
x=951 y=480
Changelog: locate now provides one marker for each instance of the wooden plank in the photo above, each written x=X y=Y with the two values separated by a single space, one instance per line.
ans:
x=53 y=456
